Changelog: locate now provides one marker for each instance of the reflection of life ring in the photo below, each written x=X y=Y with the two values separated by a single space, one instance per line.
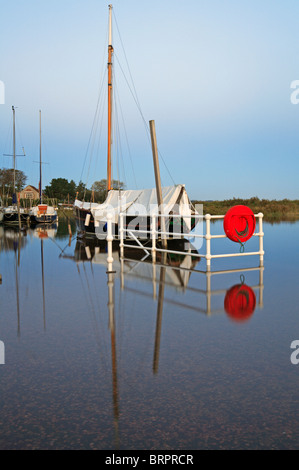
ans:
x=239 y=223
x=239 y=302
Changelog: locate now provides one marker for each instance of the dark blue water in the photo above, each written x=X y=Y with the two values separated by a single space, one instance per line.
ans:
x=157 y=365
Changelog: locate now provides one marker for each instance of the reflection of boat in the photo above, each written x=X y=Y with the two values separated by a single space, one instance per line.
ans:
x=92 y=251
x=137 y=264
x=41 y=233
x=45 y=231
x=14 y=214
x=16 y=240
x=12 y=236
x=1 y=210
x=42 y=214
x=91 y=217
x=139 y=278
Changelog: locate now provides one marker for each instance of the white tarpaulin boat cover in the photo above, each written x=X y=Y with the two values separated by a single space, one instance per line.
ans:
x=143 y=202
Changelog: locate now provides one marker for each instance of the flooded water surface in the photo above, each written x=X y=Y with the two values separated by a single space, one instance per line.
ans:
x=150 y=356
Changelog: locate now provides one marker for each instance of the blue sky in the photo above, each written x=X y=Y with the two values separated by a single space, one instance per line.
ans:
x=215 y=75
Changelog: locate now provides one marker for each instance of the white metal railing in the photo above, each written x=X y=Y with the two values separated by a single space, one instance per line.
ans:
x=153 y=234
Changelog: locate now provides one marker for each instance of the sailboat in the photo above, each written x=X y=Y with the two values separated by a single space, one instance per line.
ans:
x=91 y=218
x=14 y=214
x=42 y=213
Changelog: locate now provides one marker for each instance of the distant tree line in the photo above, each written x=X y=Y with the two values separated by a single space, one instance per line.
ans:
x=66 y=191
x=59 y=188
x=6 y=181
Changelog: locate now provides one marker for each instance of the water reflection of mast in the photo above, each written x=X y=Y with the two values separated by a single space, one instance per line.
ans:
x=43 y=281
x=110 y=284
x=18 y=243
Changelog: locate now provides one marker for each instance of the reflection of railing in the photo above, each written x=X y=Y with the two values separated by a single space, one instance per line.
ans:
x=208 y=292
x=153 y=234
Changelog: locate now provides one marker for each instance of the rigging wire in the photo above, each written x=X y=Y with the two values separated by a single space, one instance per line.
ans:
x=143 y=119
x=119 y=155
x=9 y=135
x=117 y=147
x=96 y=144
x=126 y=136
x=92 y=133
x=135 y=96
x=99 y=142
x=103 y=75
x=19 y=133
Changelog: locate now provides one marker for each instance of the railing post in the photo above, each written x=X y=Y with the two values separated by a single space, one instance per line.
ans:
x=109 y=242
x=154 y=281
x=153 y=235
x=208 y=240
x=261 y=238
x=208 y=292
x=122 y=279
x=261 y=286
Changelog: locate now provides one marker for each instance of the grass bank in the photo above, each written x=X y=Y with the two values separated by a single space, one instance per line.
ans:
x=273 y=210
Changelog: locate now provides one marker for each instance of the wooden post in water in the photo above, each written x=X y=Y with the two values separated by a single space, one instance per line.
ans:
x=158 y=180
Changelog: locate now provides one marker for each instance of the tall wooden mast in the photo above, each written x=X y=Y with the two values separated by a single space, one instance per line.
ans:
x=40 y=158
x=14 y=149
x=110 y=53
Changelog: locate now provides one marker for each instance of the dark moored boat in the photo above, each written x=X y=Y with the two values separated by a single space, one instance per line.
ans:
x=11 y=216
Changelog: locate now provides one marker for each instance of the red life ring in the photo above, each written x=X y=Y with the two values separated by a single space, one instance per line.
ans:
x=239 y=223
x=240 y=302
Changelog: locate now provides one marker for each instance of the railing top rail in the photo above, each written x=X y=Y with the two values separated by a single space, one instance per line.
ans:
x=197 y=216
x=209 y=216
